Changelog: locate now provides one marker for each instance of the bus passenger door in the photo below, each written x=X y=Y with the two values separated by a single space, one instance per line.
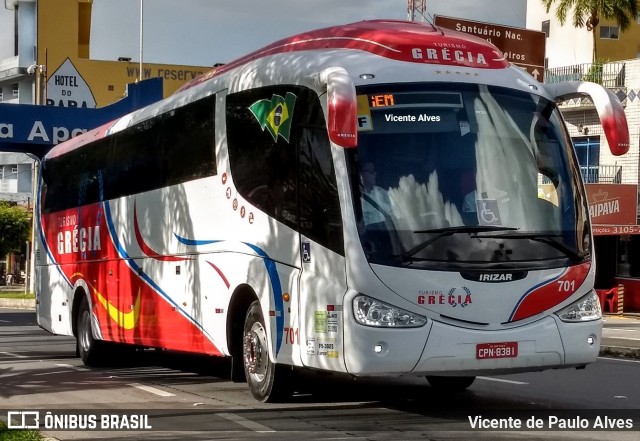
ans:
x=323 y=276
x=322 y=289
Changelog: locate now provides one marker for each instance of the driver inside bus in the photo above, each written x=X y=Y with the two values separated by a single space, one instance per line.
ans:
x=375 y=200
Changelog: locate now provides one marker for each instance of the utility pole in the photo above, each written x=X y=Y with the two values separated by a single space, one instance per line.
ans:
x=141 y=36
x=40 y=76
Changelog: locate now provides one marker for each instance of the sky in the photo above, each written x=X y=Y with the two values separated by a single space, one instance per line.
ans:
x=205 y=32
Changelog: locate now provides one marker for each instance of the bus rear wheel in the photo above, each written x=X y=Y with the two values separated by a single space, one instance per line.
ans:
x=268 y=382
x=89 y=348
x=450 y=384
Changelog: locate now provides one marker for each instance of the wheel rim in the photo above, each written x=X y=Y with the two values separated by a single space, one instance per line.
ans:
x=256 y=357
x=84 y=331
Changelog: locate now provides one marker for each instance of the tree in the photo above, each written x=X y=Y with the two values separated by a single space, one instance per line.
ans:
x=587 y=13
x=15 y=228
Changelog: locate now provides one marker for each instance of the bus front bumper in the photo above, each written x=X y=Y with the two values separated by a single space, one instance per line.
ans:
x=547 y=343
x=452 y=350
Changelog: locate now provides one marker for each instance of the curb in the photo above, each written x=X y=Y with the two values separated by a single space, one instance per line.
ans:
x=18 y=303
x=620 y=352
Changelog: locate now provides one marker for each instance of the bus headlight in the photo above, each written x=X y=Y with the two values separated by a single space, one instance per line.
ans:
x=585 y=309
x=372 y=312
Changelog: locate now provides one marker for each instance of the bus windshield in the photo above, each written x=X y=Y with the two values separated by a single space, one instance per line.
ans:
x=465 y=174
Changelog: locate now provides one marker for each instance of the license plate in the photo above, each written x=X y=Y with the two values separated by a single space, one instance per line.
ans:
x=508 y=349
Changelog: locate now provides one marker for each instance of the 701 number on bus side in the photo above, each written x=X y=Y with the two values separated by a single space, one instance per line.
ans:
x=291 y=336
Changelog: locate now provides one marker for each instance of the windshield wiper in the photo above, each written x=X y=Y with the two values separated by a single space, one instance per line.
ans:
x=448 y=231
x=549 y=239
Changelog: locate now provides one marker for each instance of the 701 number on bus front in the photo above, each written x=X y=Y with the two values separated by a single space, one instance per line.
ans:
x=566 y=285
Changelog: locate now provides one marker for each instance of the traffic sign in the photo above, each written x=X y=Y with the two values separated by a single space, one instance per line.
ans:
x=523 y=47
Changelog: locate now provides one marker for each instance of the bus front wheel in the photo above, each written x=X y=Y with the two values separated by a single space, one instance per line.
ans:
x=450 y=384
x=268 y=382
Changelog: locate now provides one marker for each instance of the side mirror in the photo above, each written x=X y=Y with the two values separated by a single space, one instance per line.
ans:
x=342 y=107
x=609 y=108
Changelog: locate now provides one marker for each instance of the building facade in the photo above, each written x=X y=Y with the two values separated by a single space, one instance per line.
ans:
x=42 y=62
x=568 y=46
x=612 y=182
x=17 y=53
x=45 y=60
x=17 y=50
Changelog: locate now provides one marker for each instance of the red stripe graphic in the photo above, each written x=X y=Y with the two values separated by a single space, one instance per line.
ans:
x=224 y=279
x=552 y=293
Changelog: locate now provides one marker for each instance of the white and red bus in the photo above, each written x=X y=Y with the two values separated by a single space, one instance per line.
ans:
x=238 y=217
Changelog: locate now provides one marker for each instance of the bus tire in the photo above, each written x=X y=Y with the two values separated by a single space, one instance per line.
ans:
x=267 y=381
x=450 y=384
x=88 y=347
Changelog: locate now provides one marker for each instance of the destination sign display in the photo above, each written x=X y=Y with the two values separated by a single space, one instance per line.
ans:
x=409 y=112
x=413 y=99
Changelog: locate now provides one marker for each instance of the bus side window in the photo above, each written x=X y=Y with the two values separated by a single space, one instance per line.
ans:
x=133 y=165
x=188 y=142
x=320 y=216
x=290 y=178
x=76 y=178
x=263 y=167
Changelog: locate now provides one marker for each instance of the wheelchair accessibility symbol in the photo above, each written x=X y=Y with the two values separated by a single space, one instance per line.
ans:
x=306 y=252
x=488 y=212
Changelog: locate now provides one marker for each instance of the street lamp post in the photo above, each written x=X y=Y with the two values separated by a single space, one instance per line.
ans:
x=40 y=72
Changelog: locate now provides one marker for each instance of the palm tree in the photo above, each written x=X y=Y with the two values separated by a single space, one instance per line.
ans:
x=587 y=13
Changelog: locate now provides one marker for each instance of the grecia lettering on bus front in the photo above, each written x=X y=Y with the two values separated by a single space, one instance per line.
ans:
x=449 y=54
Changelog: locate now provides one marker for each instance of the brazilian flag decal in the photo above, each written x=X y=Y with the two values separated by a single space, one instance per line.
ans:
x=275 y=114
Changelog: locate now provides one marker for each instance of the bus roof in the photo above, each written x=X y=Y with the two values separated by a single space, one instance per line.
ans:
x=400 y=40
x=395 y=39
